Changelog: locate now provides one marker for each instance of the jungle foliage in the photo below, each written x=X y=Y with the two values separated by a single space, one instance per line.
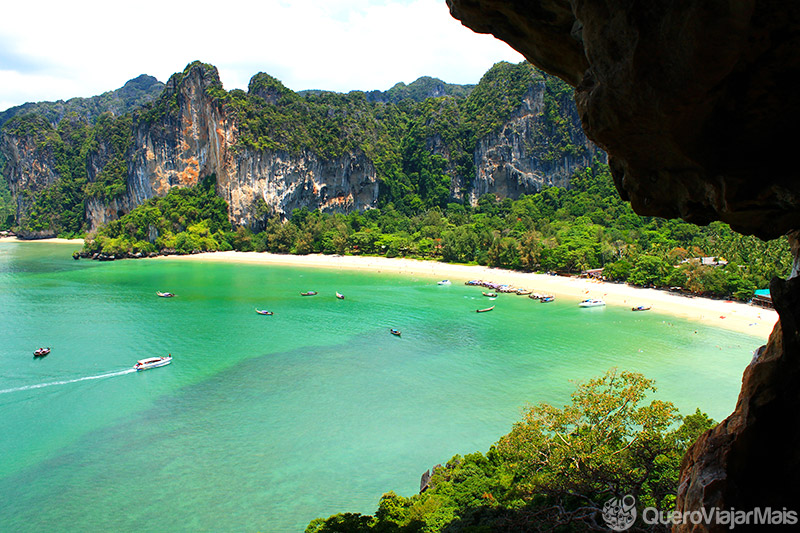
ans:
x=553 y=471
x=561 y=230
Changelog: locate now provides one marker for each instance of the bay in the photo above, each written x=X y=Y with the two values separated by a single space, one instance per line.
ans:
x=263 y=423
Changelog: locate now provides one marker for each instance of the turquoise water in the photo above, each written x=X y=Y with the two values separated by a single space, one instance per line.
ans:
x=263 y=423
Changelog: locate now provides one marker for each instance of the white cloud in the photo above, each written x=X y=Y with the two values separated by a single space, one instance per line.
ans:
x=56 y=50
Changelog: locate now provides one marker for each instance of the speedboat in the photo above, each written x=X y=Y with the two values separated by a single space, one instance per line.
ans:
x=41 y=352
x=443 y=282
x=165 y=294
x=340 y=296
x=264 y=312
x=152 y=362
x=395 y=332
x=484 y=310
x=641 y=308
x=309 y=293
x=591 y=302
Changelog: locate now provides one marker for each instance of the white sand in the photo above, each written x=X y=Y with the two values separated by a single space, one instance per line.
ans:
x=53 y=240
x=730 y=315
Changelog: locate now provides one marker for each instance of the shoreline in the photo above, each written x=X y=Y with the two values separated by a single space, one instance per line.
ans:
x=51 y=240
x=725 y=314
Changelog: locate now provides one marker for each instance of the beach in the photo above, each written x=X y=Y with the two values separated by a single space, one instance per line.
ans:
x=726 y=314
x=53 y=240
x=735 y=316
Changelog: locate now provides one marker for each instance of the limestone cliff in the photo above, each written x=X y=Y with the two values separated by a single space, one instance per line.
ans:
x=273 y=150
x=520 y=157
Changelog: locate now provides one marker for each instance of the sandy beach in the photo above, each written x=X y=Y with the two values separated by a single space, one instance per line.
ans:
x=79 y=242
x=726 y=314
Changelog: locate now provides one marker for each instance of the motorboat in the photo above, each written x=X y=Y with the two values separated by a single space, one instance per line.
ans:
x=165 y=294
x=443 y=282
x=264 y=312
x=484 y=310
x=309 y=293
x=591 y=302
x=340 y=295
x=41 y=352
x=152 y=362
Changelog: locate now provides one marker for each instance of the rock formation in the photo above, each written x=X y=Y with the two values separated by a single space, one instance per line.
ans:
x=193 y=130
x=691 y=102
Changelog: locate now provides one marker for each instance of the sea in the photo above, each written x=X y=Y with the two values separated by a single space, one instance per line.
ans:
x=263 y=423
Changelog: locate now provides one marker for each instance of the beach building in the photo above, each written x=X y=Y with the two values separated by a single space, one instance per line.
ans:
x=596 y=273
x=762 y=298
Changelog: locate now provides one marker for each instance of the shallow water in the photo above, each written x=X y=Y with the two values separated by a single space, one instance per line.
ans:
x=266 y=422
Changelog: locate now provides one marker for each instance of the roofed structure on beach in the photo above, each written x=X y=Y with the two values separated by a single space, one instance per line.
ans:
x=762 y=298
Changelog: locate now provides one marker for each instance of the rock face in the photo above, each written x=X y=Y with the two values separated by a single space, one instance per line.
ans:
x=690 y=101
x=195 y=129
x=518 y=158
x=194 y=137
x=688 y=98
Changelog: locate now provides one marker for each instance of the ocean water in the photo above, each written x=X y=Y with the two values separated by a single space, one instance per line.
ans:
x=263 y=423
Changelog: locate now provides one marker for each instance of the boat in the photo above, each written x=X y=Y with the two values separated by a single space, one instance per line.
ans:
x=152 y=362
x=340 y=296
x=489 y=294
x=641 y=308
x=41 y=352
x=395 y=332
x=591 y=302
x=546 y=299
x=165 y=294
x=309 y=293
x=523 y=292
x=484 y=310
x=264 y=312
x=443 y=282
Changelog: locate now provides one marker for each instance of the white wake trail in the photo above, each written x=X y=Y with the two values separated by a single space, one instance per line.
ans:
x=66 y=382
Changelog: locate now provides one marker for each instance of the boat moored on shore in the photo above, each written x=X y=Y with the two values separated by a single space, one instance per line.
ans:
x=592 y=302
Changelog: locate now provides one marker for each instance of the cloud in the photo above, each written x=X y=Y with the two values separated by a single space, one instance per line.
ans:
x=87 y=47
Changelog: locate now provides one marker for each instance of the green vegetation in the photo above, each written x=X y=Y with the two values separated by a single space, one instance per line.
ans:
x=553 y=471
x=186 y=220
x=59 y=207
x=422 y=149
x=7 y=208
x=564 y=230
x=135 y=93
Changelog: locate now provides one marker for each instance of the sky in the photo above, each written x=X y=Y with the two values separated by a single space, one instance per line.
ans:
x=54 y=49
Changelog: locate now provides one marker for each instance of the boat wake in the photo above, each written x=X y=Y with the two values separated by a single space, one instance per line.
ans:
x=68 y=381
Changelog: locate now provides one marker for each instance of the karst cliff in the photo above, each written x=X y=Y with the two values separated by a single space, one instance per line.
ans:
x=273 y=150
x=691 y=100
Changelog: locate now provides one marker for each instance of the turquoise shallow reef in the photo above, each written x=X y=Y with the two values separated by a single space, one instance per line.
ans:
x=266 y=422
